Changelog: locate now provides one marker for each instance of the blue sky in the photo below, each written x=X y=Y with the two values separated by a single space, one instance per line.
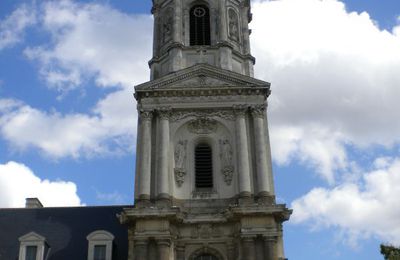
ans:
x=68 y=116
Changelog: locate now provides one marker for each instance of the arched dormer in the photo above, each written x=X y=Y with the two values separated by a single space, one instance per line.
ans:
x=100 y=245
x=32 y=247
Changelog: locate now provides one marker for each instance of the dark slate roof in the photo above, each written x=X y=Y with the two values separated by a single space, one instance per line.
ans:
x=65 y=230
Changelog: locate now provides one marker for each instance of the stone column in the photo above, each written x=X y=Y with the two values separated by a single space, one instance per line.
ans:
x=144 y=158
x=249 y=249
x=242 y=152
x=269 y=157
x=141 y=249
x=270 y=248
x=223 y=25
x=177 y=32
x=163 y=155
x=180 y=252
x=231 y=251
x=261 y=151
x=163 y=249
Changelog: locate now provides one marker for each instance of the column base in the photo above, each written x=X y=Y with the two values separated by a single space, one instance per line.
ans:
x=163 y=200
x=264 y=198
x=245 y=198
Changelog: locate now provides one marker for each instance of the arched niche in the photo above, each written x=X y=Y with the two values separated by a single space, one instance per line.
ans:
x=214 y=133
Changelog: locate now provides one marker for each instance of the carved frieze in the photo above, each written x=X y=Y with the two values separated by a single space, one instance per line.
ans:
x=203 y=125
x=224 y=114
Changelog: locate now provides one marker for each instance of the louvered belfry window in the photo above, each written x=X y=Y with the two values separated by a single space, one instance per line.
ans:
x=203 y=166
x=199 y=25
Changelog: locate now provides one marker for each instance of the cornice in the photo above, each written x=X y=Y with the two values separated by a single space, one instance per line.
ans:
x=202 y=92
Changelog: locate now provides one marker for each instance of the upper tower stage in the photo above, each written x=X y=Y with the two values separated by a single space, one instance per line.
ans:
x=189 y=32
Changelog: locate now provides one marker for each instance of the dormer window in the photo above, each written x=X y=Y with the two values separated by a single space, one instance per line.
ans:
x=100 y=245
x=200 y=25
x=32 y=247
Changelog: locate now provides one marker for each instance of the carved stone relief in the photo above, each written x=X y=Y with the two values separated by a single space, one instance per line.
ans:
x=180 y=158
x=167 y=25
x=226 y=160
x=258 y=110
x=203 y=125
x=179 y=115
x=233 y=25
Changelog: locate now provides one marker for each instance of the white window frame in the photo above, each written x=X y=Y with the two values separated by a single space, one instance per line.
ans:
x=100 y=238
x=32 y=239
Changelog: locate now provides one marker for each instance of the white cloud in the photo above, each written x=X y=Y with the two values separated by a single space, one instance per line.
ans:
x=369 y=208
x=108 y=130
x=88 y=42
x=13 y=26
x=18 y=182
x=92 y=41
x=114 y=197
x=335 y=79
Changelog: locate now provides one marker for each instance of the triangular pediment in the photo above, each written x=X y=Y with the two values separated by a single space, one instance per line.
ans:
x=202 y=75
x=32 y=236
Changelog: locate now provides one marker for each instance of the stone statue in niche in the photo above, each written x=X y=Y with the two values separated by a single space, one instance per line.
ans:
x=233 y=25
x=167 y=24
x=226 y=160
x=180 y=158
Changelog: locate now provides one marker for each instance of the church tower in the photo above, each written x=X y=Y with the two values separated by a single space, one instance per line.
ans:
x=204 y=187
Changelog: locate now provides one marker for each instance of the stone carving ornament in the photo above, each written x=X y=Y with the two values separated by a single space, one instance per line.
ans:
x=180 y=158
x=226 y=160
x=233 y=24
x=202 y=125
x=225 y=114
x=167 y=24
x=258 y=110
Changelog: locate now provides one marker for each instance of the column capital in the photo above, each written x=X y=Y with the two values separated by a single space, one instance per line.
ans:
x=164 y=112
x=270 y=238
x=163 y=242
x=141 y=241
x=258 y=110
x=146 y=114
x=248 y=238
x=240 y=110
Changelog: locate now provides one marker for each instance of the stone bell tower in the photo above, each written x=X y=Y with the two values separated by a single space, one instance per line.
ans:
x=204 y=187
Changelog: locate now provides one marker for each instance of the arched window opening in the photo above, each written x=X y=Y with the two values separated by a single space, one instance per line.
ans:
x=206 y=257
x=199 y=25
x=203 y=166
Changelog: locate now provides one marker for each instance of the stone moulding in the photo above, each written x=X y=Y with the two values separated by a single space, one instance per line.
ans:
x=198 y=92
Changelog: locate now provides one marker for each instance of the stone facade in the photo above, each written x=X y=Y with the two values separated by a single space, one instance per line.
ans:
x=194 y=100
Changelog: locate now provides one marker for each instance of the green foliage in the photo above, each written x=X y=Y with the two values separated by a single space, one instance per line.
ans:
x=390 y=252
